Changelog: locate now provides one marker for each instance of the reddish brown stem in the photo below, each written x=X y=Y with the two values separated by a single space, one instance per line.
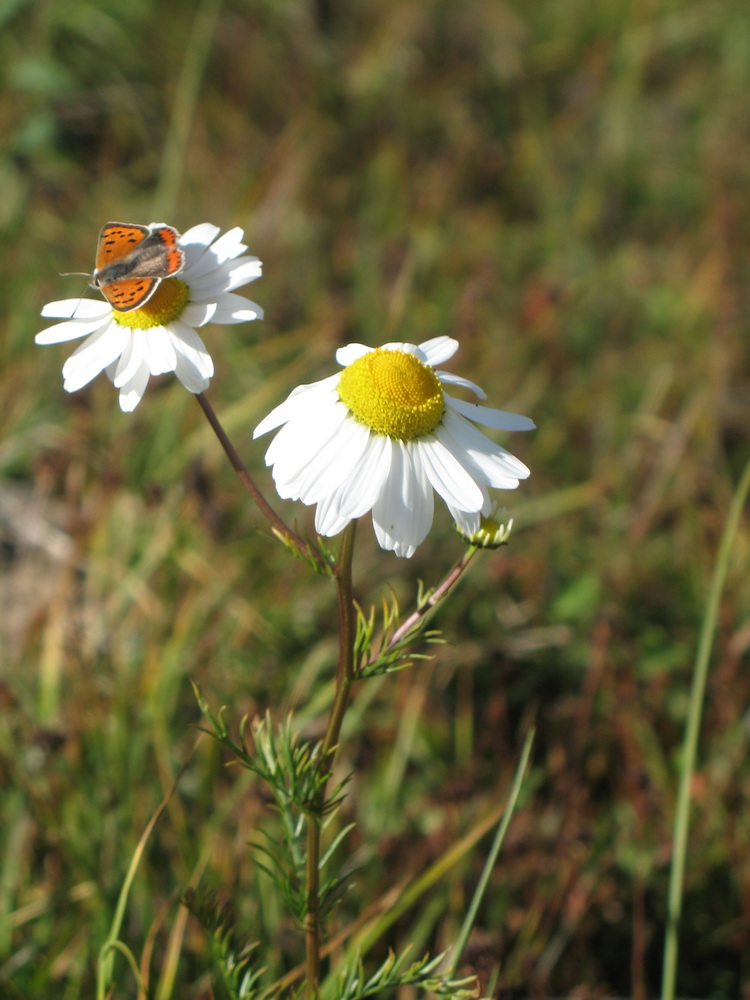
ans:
x=435 y=597
x=279 y=526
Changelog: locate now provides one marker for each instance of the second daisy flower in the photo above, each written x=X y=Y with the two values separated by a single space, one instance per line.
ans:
x=383 y=434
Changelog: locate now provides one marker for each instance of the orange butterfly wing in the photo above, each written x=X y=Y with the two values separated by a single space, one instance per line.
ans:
x=130 y=293
x=174 y=257
x=117 y=240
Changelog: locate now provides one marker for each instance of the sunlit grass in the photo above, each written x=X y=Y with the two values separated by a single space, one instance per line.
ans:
x=564 y=188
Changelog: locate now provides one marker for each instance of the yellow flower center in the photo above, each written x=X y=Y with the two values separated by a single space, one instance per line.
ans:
x=392 y=393
x=167 y=302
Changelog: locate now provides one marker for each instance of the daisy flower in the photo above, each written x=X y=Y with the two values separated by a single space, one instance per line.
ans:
x=160 y=336
x=381 y=435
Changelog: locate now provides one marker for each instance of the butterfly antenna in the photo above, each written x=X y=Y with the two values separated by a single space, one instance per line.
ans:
x=77 y=274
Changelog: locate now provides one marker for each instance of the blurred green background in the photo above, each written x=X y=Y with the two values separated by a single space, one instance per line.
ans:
x=563 y=186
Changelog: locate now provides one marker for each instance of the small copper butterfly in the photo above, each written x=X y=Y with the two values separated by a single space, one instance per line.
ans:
x=131 y=261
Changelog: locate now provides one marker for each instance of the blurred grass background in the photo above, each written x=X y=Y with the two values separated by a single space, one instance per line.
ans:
x=561 y=185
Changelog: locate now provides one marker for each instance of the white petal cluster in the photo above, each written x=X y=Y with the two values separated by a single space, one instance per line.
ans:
x=214 y=267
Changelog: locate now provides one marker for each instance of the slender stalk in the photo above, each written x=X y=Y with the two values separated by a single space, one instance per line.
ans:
x=435 y=597
x=692 y=729
x=345 y=673
x=279 y=527
x=344 y=680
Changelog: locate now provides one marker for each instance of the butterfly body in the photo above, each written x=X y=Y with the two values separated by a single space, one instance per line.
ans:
x=132 y=260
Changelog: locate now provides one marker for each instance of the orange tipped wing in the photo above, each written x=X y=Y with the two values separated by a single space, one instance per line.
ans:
x=170 y=255
x=130 y=293
x=118 y=240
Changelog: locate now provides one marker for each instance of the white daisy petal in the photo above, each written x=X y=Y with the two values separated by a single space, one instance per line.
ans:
x=84 y=309
x=228 y=246
x=69 y=330
x=208 y=282
x=294 y=451
x=200 y=236
x=333 y=462
x=242 y=271
x=187 y=342
x=448 y=476
x=208 y=286
x=198 y=313
x=132 y=393
x=468 y=521
x=198 y=263
x=365 y=441
x=345 y=355
x=297 y=403
x=448 y=379
x=501 y=420
x=130 y=361
x=236 y=309
x=338 y=509
x=403 y=513
x=189 y=374
x=160 y=350
x=404 y=348
x=93 y=356
x=439 y=349
x=364 y=483
x=501 y=469
x=391 y=516
x=328 y=519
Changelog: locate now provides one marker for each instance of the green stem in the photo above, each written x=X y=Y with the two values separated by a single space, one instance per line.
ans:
x=280 y=528
x=345 y=673
x=692 y=729
x=344 y=680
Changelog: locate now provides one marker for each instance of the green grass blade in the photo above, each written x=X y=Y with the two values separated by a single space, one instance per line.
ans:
x=692 y=729
x=104 y=970
x=497 y=843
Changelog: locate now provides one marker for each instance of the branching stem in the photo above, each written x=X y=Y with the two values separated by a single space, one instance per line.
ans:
x=435 y=597
x=344 y=680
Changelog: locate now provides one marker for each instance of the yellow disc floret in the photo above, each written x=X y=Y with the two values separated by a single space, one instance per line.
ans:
x=393 y=393
x=166 y=304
